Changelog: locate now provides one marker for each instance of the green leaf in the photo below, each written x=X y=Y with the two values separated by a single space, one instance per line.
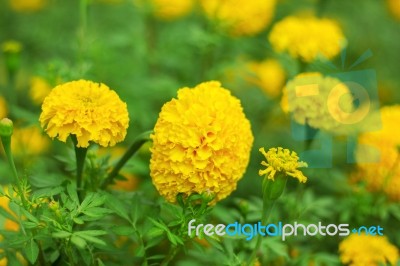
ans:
x=7 y=215
x=32 y=251
x=61 y=234
x=123 y=230
x=48 y=192
x=117 y=206
x=97 y=212
x=29 y=216
x=90 y=235
x=71 y=189
x=78 y=241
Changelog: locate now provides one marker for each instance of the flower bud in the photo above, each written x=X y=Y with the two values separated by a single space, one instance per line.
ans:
x=6 y=127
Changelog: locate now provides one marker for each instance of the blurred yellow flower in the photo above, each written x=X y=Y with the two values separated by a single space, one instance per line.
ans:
x=394 y=7
x=28 y=141
x=284 y=161
x=11 y=46
x=167 y=10
x=382 y=145
x=362 y=250
x=269 y=75
x=307 y=37
x=27 y=5
x=307 y=97
x=4 y=203
x=130 y=183
x=201 y=143
x=3 y=108
x=40 y=88
x=90 y=111
x=239 y=18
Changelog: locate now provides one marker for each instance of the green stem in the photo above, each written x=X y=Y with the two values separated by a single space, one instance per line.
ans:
x=7 y=149
x=268 y=205
x=137 y=143
x=171 y=254
x=80 y=154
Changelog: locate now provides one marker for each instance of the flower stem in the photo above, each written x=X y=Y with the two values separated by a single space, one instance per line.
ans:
x=268 y=205
x=171 y=254
x=80 y=155
x=137 y=143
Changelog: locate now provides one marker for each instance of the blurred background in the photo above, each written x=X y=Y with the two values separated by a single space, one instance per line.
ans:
x=146 y=50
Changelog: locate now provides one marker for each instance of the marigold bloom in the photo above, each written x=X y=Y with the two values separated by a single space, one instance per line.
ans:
x=306 y=98
x=40 y=88
x=3 y=108
x=383 y=175
x=28 y=141
x=361 y=250
x=268 y=75
x=88 y=110
x=240 y=19
x=201 y=143
x=283 y=161
x=307 y=37
x=27 y=5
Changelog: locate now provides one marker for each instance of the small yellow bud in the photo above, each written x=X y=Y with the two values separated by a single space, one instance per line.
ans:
x=6 y=127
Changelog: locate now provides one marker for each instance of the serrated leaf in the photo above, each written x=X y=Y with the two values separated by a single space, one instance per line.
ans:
x=117 y=206
x=71 y=189
x=32 y=251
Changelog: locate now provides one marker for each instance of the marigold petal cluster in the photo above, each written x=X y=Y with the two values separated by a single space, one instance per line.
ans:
x=240 y=19
x=269 y=75
x=307 y=37
x=284 y=161
x=201 y=143
x=378 y=155
x=90 y=111
x=319 y=101
x=361 y=250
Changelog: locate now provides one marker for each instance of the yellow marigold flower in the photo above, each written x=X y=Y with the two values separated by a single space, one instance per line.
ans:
x=362 y=250
x=88 y=110
x=269 y=75
x=283 y=161
x=394 y=7
x=40 y=88
x=239 y=18
x=12 y=47
x=3 y=108
x=307 y=37
x=201 y=143
x=28 y=142
x=27 y=5
x=383 y=175
x=307 y=96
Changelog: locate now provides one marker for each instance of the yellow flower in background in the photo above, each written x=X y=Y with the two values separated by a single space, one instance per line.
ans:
x=362 y=250
x=167 y=10
x=3 y=108
x=307 y=96
x=269 y=75
x=11 y=47
x=239 y=18
x=90 y=111
x=307 y=37
x=201 y=143
x=29 y=141
x=284 y=161
x=4 y=203
x=383 y=147
x=27 y=5
x=394 y=7
x=130 y=183
x=40 y=88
